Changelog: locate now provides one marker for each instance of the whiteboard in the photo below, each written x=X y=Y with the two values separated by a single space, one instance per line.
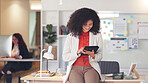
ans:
x=126 y=57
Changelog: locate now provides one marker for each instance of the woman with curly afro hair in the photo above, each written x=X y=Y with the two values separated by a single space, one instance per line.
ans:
x=84 y=28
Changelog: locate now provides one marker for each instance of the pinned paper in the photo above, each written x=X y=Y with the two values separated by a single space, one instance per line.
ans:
x=120 y=25
x=133 y=42
x=131 y=31
x=106 y=26
x=113 y=18
x=111 y=30
x=134 y=21
x=125 y=32
x=104 y=22
x=104 y=32
x=137 y=25
x=114 y=35
x=132 y=16
x=119 y=34
x=143 y=28
x=122 y=48
x=109 y=34
x=125 y=40
x=108 y=22
x=128 y=21
x=105 y=41
x=119 y=43
x=124 y=19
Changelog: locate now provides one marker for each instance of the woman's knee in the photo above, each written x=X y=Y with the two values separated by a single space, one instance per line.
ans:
x=67 y=82
x=2 y=72
x=9 y=72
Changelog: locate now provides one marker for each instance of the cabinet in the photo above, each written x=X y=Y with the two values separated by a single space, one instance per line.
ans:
x=56 y=18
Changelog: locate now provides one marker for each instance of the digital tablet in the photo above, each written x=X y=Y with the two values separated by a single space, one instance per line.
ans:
x=90 y=48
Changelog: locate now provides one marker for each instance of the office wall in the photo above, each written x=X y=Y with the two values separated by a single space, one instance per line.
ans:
x=124 y=57
x=0 y=16
x=100 y=5
x=15 y=18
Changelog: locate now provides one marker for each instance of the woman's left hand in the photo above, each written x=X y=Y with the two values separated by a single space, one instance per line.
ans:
x=91 y=53
x=17 y=57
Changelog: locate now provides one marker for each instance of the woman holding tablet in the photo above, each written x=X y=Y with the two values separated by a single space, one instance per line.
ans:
x=84 y=28
x=20 y=51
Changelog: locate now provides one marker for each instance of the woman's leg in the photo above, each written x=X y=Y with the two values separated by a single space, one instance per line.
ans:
x=11 y=67
x=4 y=70
x=9 y=77
x=1 y=74
x=7 y=71
x=91 y=75
x=76 y=75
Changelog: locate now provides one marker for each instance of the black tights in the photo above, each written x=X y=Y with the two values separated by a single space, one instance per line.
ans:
x=8 y=77
x=1 y=75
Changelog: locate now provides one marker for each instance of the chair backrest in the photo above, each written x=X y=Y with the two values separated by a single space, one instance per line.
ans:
x=109 y=67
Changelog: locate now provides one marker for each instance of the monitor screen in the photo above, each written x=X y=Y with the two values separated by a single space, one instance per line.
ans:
x=5 y=45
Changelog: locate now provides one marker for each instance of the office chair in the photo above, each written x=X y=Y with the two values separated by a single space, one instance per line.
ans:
x=109 y=67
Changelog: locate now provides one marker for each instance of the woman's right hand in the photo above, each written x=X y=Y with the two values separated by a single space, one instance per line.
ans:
x=80 y=50
x=12 y=56
x=16 y=56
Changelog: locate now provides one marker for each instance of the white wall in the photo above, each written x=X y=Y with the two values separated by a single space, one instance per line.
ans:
x=108 y=5
x=100 y=5
x=15 y=18
x=0 y=16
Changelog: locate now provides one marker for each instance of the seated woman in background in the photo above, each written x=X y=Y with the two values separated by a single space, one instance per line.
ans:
x=20 y=51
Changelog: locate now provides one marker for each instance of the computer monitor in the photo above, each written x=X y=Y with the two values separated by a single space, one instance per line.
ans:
x=5 y=45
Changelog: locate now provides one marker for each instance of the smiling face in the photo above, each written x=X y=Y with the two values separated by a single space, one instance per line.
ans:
x=87 y=26
x=15 y=40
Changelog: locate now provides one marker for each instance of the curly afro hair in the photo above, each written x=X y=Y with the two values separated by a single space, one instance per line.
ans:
x=79 y=18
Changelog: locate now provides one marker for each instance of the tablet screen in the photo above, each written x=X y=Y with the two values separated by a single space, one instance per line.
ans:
x=90 y=48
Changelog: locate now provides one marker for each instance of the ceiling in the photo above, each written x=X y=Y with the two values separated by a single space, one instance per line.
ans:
x=35 y=4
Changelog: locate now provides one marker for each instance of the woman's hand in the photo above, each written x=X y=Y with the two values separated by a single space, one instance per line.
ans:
x=91 y=53
x=16 y=56
x=11 y=57
x=80 y=50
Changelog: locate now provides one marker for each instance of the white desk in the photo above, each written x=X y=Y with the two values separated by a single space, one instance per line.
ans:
x=31 y=79
x=21 y=60
x=111 y=80
x=55 y=79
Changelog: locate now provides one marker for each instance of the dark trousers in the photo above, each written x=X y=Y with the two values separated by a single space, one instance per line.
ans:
x=13 y=67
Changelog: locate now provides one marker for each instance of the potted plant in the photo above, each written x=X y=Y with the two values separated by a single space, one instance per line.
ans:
x=50 y=37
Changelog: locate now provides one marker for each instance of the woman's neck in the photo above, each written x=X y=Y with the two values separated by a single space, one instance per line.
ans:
x=15 y=44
